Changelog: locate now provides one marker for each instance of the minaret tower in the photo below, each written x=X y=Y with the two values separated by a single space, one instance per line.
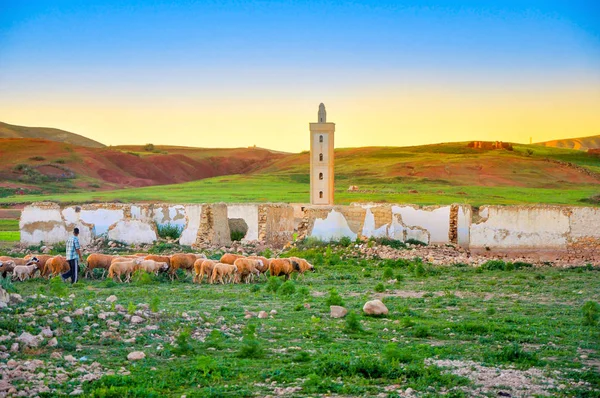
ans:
x=321 y=160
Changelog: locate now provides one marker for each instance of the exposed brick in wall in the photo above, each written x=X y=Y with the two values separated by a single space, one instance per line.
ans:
x=453 y=232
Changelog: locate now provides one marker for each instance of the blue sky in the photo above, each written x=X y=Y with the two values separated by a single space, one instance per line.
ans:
x=56 y=56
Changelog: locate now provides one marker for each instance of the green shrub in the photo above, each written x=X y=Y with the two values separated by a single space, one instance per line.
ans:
x=131 y=308
x=58 y=288
x=149 y=147
x=172 y=231
x=37 y=158
x=268 y=253
x=393 y=353
x=388 y=273
x=591 y=313
x=302 y=356
x=399 y=277
x=352 y=323
x=236 y=236
x=494 y=265
x=393 y=243
x=143 y=278
x=421 y=332
x=6 y=284
x=154 y=303
x=215 y=339
x=490 y=311
x=380 y=288
x=415 y=242
x=251 y=347
x=334 y=298
x=182 y=344
x=420 y=270
x=287 y=289
x=345 y=241
x=273 y=284
x=513 y=353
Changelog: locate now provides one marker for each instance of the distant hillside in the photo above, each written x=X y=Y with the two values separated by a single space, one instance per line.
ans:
x=581 y=144
x=46 y=133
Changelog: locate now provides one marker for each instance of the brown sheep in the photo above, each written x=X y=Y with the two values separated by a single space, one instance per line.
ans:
x=184 y=261
x=229 y=258
x=152 y=266
x=22 y=272
x=42 y=259
x=120 y=268
x=17 y=260
x=304 y=265
x=6 y=266
x=97 y=260
x=283 y=266
x=221 y=270
x=203 y=267
x=55 y=266
x=246 y=269
x=162 y=259
x=265 y=261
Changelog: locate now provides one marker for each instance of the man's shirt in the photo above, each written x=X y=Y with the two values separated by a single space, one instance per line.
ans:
x=72 y=246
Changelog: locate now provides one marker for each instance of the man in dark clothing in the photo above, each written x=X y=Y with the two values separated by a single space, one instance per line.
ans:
x=73 y=257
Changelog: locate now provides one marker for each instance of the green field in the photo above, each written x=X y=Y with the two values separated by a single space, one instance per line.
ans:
x=431 y=174
x=9 y=232
x=447 y=326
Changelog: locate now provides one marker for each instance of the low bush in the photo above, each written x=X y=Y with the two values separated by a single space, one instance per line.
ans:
x=287 y=289
x=388 y=273
x=379 y=288
x=334 y=298
x=172 y=231
x=353 y=323
x=591 y=313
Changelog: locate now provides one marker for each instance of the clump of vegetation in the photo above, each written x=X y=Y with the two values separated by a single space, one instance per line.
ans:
x=251 y=347
x=149 y=147
x=37 y=158
x=130 y=308
x=6 y=284
x=287 y=289
x=172 y=231
x=353 y=323
x=380 y=288
x=334 y=298
x=142 y=278
x=345 y=241
x=494 y=265
x=388 y=273
x=422 y=332
x=393 y=243
x=420 y=270
x=591 y=313
x=273 y=284
x=513 y=353
x=415 y=242
x=58 y=287
x=394 y=354
x=154 y=303
x=236 y=236
x=182 y=344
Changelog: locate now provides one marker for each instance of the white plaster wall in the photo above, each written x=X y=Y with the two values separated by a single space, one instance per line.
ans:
x=520 y=228
x=249 y=213
x=435 y=220
x=465 y=215
x=369 y=229
x=50 y=218
x=102 y=219
x=173 y=214
x=142 y=213
x=584 y=222
x=190 y=232
x=72 y=220
x=132 y=232
x=333 y=227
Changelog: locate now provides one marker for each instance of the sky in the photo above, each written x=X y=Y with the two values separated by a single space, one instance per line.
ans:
x=241 y=73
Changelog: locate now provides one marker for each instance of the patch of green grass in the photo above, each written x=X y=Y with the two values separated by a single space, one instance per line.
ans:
x=10 y=236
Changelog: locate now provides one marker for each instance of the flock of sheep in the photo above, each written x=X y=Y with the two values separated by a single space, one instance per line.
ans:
x=231 y=268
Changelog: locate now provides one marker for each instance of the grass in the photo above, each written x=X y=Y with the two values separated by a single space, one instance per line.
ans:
x=204 y=346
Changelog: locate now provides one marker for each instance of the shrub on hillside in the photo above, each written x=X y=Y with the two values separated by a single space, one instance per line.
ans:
x=172 y=231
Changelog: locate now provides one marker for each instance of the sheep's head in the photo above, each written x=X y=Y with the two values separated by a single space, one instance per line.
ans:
x=164 y=266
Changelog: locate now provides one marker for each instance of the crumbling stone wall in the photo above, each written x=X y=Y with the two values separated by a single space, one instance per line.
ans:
x=214 y=226
x=275 y=223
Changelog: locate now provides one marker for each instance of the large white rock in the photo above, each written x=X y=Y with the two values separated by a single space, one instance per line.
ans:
x=375 y=307
x=337 y=311
x=136 y=356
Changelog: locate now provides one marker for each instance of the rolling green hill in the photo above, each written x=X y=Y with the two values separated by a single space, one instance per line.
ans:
x=581 y=144
x=46 y=133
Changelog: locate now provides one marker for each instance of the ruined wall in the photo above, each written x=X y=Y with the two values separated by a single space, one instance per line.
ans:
x=248 y=213
x=275 y=223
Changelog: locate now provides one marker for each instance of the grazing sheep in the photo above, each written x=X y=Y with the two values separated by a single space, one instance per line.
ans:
x=42 y=259
x=22 y=272
x=6 y=266
x=229 y=258
x=203 y=267
x=162 y=259
x=265 y=263
x=184 y=262
x=97 y=260
x=283 y=266
x=152 y=267
x=304 y=265
x=17 y=260
x=55 y=266
x=246 y=269
x=120 y=268
x=221 y=271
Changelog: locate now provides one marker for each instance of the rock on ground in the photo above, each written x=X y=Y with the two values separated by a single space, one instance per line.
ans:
x=136 y=356
x=337 y=311
x=375 y=307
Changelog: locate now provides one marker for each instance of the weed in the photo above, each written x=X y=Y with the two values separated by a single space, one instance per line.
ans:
x=251 y=347
x=494 y=265
x=421 y=332
x=273 y=284
x=131 y=308
x=591 y=313
x=154 y=303
x=415 y=242
x=513 y=353
x=182 y=344
x=236 y=236
x=394 y=354
x=58 y=288
x=6 y=284
x=420 y=270
x=352 y=323
x=287 y=289
x=172 y=231
x=388 y=273
x=393 y=243
x=334 y=298
x=345 y=241
x=379 y=288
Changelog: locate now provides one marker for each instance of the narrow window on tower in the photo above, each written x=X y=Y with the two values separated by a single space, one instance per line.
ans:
x=320 y=138
x=320 y=157
x=321 y=194
x=320 y=176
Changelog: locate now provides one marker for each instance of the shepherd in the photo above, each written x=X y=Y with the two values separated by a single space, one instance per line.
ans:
x=73 y=257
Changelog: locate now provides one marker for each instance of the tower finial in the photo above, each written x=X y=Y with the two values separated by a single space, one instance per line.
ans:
x=322 y=113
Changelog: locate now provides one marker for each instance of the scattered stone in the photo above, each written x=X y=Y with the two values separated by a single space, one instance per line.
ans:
x=28 y=339
x=4 y=296
x=273 y=312
x=111 y=299
x=15 y=298
x=307 y=306
x=67 y=319
x=53 y=342
x=56 y=355
x=46 y=332
x=375 y=307
x=14 y=347
x=78 y=312
x=136 y=356
x=136 y=319
x=263 y=315
x=337 y=311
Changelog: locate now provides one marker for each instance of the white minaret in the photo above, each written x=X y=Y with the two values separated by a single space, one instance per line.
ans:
x=321 y=160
